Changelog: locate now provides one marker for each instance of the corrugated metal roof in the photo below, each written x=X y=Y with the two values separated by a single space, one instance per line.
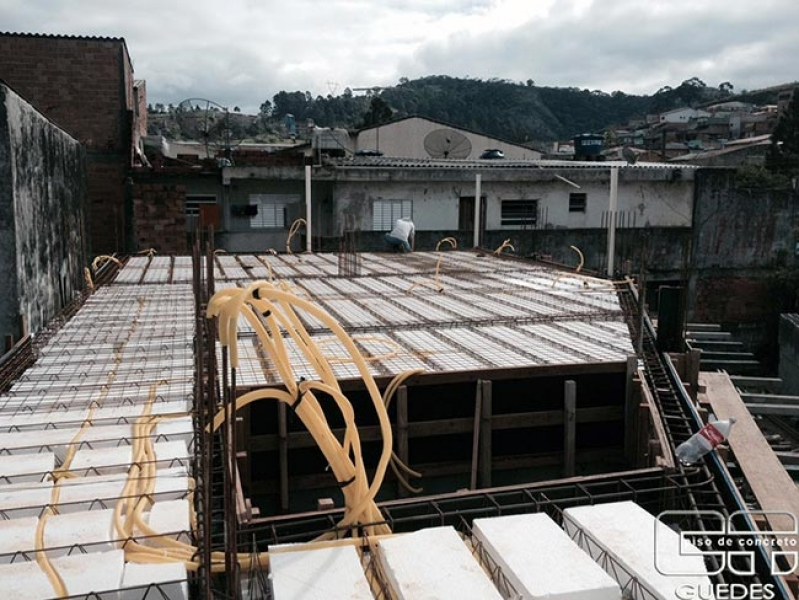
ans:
x=383 y=162
x=62 y=36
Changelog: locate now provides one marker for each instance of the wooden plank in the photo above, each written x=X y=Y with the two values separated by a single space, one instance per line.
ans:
x=402 y=433
x=769 y=399
x=569 y=429
x=282 y=428
x=418 y=429
x=486 y=425
x=666 y=458
x=767 y=478
x=478 y=408
x=769 y=384
x=783 y=410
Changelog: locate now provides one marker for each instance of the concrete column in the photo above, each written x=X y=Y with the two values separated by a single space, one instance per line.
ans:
x=614 y=200
x=478 y=179
x=308 y=209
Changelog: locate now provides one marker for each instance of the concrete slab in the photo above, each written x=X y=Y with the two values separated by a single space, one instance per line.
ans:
x=434 y=563
x=320 y=574
x=643 y=546
x=541 y=561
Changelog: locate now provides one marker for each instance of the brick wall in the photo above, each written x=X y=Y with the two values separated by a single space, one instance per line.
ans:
x=85 y=86
x=159 y=218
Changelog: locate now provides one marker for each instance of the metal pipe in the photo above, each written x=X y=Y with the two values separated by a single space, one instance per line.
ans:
x=478 y=179
x=308 y=209
x=614 y=199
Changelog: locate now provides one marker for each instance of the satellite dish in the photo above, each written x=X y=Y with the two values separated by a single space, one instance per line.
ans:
x=447 y=143
x=209 y=123
x=630 y=155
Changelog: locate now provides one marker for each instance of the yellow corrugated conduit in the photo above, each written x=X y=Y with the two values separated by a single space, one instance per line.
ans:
x=295 y=227
x=271 y=311
x=436 y=282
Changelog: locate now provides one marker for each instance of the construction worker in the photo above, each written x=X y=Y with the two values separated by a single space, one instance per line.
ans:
x=401 y=238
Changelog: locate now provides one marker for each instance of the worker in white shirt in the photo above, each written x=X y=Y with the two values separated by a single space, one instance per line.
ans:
x=401 y=238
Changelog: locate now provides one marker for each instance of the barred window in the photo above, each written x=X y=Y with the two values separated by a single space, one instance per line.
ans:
x=519 y=213
x=267 y=211
x=577 y=202
x=386 y=212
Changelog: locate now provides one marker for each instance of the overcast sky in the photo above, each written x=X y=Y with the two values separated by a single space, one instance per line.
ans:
x=241 y=52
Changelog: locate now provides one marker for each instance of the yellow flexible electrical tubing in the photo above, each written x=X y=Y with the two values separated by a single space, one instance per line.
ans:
x=99 y=261
x=505 y=244
x=582 y=258
x=295 y=227
x=228 y=308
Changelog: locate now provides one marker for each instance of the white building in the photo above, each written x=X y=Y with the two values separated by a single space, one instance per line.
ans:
x=682 y=115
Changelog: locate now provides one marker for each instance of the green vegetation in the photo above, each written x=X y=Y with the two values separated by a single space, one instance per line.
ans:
x=516 y=111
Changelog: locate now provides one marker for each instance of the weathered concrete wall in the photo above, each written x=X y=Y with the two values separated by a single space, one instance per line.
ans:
x=646 y=197
x=744 y=258
x=42 y=204
x=789 y=353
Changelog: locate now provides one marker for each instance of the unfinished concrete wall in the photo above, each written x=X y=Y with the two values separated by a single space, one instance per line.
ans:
x=744 y=258
x=789 y=353
x=42 y=203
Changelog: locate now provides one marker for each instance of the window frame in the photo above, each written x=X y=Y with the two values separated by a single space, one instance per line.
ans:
x=578 y=202
x=519 y=218
x=398 y=209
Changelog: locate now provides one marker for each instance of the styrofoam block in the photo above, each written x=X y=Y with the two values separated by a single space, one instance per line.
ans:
x=626 y=532
x=171 y=519
x=541 y=561
x=17 y=535
x=17 y=502
x=95 y=572
x=25 y=467
x=434 y=563
x=118 y=460
x=95 y=493
x=92 y=531
x=321 y=574
x=25 y=581
x=170 y=578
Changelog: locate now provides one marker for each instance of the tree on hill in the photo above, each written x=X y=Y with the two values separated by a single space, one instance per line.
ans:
x=379 y=112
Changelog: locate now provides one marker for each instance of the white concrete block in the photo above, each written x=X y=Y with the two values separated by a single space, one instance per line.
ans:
x=99 y=492
x=25 y=467
x=118 y=460
x=541 y=561
x=24 y=500
x=321 y=574
x=171 y=519
x=434 y=563
x=95 y=572
x=92 y=531
x=627 y=533
x=17 y=535
x=170 y=578
x=25 y=581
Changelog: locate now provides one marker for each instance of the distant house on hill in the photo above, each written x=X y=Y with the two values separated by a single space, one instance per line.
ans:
x=682 y=115
x=421 y=137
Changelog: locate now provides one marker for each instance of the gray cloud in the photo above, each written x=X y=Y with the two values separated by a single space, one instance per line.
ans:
x=241 y=52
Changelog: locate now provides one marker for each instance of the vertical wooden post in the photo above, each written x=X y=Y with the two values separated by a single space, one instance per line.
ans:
x=283 y=452
x=485 y=435
x=693 y=359
x=402 y=432
x=642 y=451
x=631 y=400
x=569 y=427
x=478 y=404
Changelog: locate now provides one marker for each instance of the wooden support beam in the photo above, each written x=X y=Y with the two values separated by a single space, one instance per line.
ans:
x=783 y=410
x=486 y=424
x=478 y=408
x=632 y=397
x=283 y=451
x=643 y=436
x=402 y=433
x=768 y=384
x=693 y=359
x=461 y=425
x=569 y=426
x=750 y=398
